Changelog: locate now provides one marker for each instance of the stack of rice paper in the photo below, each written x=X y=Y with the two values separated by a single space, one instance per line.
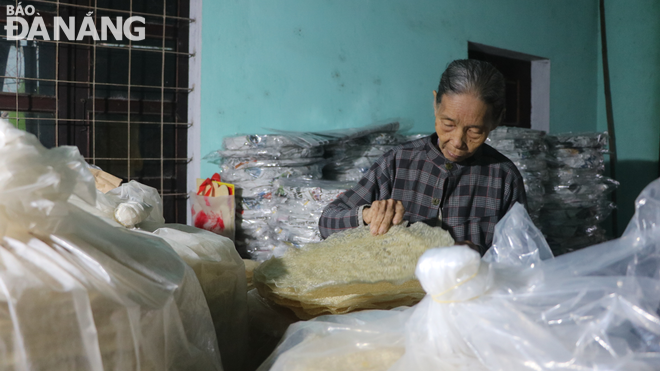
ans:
x=577 y=192
x=350 y=270
x=527 y=149
x=350 y=160
x=299 y=205
x=253 y=163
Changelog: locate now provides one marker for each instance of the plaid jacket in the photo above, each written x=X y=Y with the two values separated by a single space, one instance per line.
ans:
x=473 y=195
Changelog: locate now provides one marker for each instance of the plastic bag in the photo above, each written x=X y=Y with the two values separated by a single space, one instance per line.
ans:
x=128 y=205
x=221 y=273
x=251 y=142
x=313 y=171
x=271 y=152
x=214 y=214
x=235 y=163
x=79 y=294
x=582 y=140
x=267 y=324
x=591 y=309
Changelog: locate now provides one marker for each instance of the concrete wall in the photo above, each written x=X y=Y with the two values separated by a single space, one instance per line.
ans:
x=633 y=33
x=320 y=64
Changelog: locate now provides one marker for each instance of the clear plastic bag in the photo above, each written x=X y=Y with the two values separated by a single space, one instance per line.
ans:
x=221 y=273
x=531 y=164
x=517 y=144
x=323 y=191
x=597 y=186
x=591 y=309
x=252 y=142
x=575 y=140
x=300 y=204
x=584 y=213
x=128 y=205
x=78 y=293
x=314 y=171
x=508 y=132
x=235 y=163
x=269 y=153
x=577 y=158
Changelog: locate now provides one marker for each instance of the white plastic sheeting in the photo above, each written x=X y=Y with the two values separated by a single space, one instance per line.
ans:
x=76 y=292
x=593 y=309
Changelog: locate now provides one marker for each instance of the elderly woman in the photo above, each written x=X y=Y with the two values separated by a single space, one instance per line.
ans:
x=450 y=178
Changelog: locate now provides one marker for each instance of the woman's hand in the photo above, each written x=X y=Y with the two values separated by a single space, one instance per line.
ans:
x=382 y=214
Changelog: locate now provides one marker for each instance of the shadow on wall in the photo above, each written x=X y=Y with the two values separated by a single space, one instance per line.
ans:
x=633 y=175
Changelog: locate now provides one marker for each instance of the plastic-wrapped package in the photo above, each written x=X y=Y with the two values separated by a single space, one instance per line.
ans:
x=527 y=149
x=236 y=163
x=344 y=134
x=78 y=293
x=129 y=205
x=508 y=132
x=385 y=138
x=221 y=273
x=254 y=162
x=531 y=165
x=576 y=190
x=586 y=212
x=411 y=137
x=131 y=213
x=299 y=205
x=593 y=309
x=314 y=171
x=250 y=142
x=577 y=158
x=273 y=153
x=579 y=140
x=321 y=191
x=335 y=276
x=594 y=187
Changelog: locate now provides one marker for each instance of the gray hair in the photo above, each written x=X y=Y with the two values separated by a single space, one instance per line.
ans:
x=470 y=76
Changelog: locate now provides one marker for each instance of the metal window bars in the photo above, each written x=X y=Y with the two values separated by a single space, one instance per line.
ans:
x=92 y=112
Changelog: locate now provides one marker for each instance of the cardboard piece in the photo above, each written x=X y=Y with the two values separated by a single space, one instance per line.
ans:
x=104 y=181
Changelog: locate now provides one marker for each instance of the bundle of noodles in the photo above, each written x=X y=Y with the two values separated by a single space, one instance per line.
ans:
x=350 y=270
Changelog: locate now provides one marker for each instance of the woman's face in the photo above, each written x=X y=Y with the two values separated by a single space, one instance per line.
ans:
x=462 y=122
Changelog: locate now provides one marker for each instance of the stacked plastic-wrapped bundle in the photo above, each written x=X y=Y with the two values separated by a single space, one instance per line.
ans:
x=576 y=192
x=252 y=163
x=526 y=148
x=349 y=160
x=299 y=205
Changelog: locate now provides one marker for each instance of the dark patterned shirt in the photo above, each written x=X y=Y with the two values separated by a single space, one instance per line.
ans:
x=472 y=195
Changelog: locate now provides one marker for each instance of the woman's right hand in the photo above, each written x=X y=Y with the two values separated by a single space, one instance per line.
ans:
x=382 y=215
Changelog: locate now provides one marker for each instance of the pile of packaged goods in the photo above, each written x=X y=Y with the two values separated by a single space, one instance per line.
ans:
x=526 y=148
x=349 y=160
x=299 y=204
x=517 y=308
x=253 y=163
x=576 y=191
x=83 y=293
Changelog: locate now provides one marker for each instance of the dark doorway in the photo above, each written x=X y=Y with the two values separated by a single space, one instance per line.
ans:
x=517 y=71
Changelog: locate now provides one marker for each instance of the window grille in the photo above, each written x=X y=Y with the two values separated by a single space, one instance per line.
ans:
x=123 y=103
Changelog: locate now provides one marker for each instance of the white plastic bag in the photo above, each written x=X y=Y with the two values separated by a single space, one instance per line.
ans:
x=221 y=273
x=594 y=309
x=79 y=294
